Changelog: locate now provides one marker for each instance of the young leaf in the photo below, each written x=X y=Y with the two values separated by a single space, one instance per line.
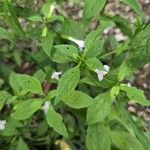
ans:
x=22 y=145
x=136 y=95
x=47 y=43
x=47 y=9
x=100 y=110
x=67 y=82
x=124 y=140
x=68 y=50
x=36 y=18
x=78 y=99
x=98 y=137
x=92 y=8
x=134 y=5
x=25 y=82
x=26 y=109
x=54 y=120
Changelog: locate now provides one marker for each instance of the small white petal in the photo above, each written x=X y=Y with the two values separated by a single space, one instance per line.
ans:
x=120 y=37
x=106 y=68
x=46 y=106
x=100 y=74
x=55 y=75
x=129 y=84
x=2 y=124
x=100 y=77
x=80 y=43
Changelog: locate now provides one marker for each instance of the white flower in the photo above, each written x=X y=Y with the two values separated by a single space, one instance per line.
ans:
x=106 y=68
x=120 y=37
x=80 y=43
x=46 y=106
x=102 y=73
x=129 y=84
x=55 y=75
x=2 y=124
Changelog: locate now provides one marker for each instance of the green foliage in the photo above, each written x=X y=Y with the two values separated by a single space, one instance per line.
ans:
x=56 y=87
x=54 y=120
x=98 y=137
x=26 y=109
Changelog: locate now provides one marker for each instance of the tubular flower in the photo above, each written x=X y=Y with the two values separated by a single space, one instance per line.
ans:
x=80 y=43
x=102 y=73
x=46 y=106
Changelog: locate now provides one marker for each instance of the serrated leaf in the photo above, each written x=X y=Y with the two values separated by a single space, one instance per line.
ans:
x=92 y=8
x=25 y=82
x=68 y=50
x=134 y=5
x=78 y=99
x=98 y=137
x=136 y=95
x=93 y=64
x=124 y=140
x=59 y=57
x=100 y=109
x=26 y=109
x=22 y=145
x=93 y=44
x=47 y=43
x=67 y=82
x=54 y=120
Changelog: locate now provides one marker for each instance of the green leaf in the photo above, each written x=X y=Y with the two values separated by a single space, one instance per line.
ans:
x=125 y=141
x=67 y=82
x=36 y=18
x=92 y=8
x=93 y=44
x=3 y=98
x=10 y=128
x=73 y=29
x=25 y=82
x=59 y=57
x=11 y=17
x=124 y=70
x=100 y=110
x=54 y=120
x=98 y=137
x=136 y=95
x=134 y=5
x=93 y=64
x=22 y=145
x=47 y=43
x=68 y=50
x=26 y=109
x=3 y=33
x=47 y=9
x=78 y=99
